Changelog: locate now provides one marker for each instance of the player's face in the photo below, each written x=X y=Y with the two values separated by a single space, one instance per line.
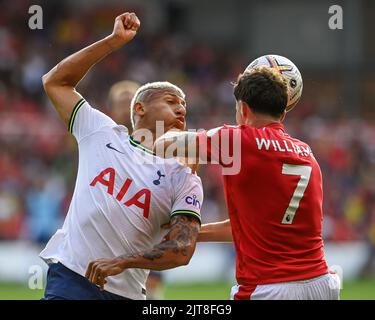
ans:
x=168 y=106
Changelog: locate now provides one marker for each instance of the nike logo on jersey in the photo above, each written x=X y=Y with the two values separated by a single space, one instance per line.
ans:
x=109 y=146
x=160 y=175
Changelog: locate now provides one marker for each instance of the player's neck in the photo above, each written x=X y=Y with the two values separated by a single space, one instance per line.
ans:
x=144 y=136
x=262 y=121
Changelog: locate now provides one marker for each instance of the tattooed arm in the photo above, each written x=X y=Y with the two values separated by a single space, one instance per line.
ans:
x=61 y=81
x=176 y=251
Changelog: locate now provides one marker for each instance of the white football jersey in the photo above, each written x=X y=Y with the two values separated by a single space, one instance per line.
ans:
x=119 y=202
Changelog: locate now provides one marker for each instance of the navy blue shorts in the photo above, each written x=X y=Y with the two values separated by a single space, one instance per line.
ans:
x=65 y=284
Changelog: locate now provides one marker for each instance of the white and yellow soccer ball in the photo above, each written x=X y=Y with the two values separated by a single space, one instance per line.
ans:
x=288 y=70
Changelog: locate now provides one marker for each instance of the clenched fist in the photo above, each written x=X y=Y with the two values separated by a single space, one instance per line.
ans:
x=125 y=28
x=98 y=270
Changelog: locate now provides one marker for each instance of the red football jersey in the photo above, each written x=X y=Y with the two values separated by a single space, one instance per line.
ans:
x=274 y=203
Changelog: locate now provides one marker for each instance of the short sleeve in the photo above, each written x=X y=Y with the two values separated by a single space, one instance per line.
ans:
x=217 y=145
x=85 y=120
x=189 y=196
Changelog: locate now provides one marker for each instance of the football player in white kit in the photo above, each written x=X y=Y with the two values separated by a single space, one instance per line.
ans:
x=123 y=195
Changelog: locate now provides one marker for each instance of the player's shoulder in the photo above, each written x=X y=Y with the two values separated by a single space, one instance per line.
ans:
x=224 y=130
x=179 y=174
x=174 y=168
x=297 y=141
x=87 y=120
x=300 y=147
x=119 y=129
x=114 y=129
x=177 y=168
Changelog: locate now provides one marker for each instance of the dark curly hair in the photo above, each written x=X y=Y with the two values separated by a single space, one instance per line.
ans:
x=264 y=90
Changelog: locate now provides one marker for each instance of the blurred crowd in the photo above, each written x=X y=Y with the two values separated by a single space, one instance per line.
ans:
x=38 y=159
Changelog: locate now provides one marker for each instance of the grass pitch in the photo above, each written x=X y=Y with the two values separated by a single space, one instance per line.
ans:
x=362 y=289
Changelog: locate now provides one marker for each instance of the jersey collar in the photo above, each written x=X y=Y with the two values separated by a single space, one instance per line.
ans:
x=137 y=144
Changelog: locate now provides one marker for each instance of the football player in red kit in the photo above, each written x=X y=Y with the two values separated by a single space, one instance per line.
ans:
x=274 y=199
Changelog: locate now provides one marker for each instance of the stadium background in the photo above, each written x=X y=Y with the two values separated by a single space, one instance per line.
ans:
x=201 y=46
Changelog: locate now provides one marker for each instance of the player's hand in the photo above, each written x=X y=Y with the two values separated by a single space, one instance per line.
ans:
x=125 y=28
x=99 y=270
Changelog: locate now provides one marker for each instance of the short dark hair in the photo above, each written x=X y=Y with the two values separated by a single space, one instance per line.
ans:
x=264 y=90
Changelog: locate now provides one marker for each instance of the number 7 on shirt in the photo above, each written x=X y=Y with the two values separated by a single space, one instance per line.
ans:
x=304 y=172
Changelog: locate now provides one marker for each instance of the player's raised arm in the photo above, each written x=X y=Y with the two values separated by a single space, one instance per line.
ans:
x=175 y=251
x=60 y=82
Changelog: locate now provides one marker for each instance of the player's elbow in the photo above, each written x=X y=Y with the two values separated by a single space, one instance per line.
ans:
x=46 y=80
x=186 y=252
x=186 y=260
x=49 y=83
x=55 y=78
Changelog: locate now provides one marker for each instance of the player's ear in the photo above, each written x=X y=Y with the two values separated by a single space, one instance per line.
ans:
x=245 y=110
x=139 y=109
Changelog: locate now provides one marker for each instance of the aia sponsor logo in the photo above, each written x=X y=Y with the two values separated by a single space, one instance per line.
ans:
x=140 y=199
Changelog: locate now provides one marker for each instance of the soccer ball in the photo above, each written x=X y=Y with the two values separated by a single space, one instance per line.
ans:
x=288 y=70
